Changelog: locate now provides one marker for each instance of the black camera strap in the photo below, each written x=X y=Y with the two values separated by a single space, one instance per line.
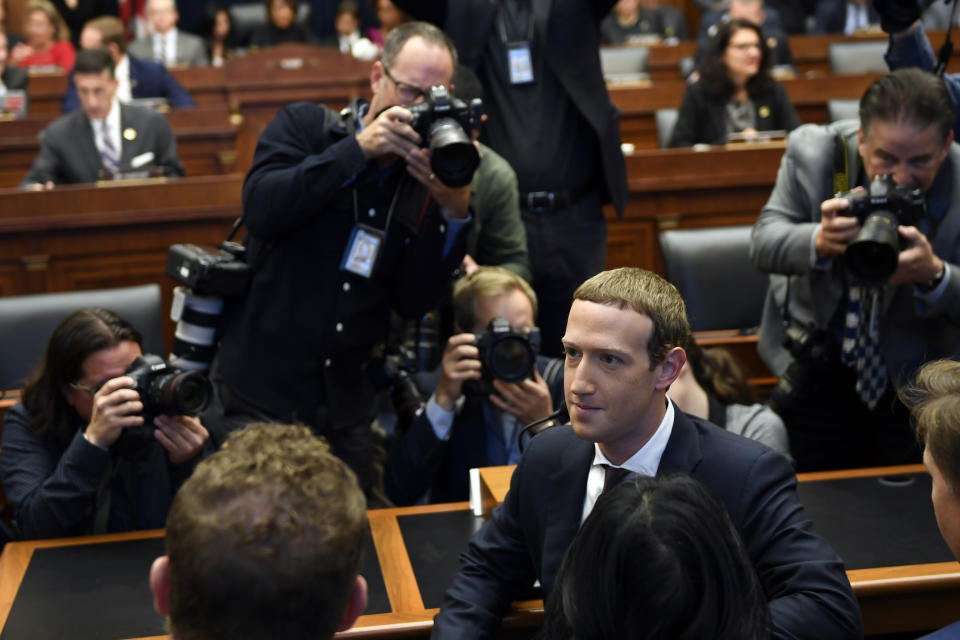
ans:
x=946 y=50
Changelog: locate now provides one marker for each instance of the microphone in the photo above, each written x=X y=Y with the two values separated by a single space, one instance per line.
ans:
x=560 y=416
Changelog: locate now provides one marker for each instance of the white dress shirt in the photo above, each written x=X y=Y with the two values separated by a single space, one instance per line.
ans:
x=122 y=74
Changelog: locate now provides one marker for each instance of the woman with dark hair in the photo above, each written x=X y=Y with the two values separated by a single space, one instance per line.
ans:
x=712 y=386
x=219 y=36
x=735 y=91
x=657 y=559
x=282 y=26
x=74 y=457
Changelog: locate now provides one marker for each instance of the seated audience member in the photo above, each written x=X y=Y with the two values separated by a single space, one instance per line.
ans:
x=734 y=92
x=664 y=558
x=11 y=78
x=752 y=11
x=623 y=344
x=282 y=26
x=390 y=17
x=347 y=37
x=934 y=401
x=47 y=43
x=463 y=428
x=845 y=16
x=264 y=542
x=712 y=386
x=168 y=45
x=136 y=78
x=76 y=456
x=218 y=32
x=103 y=138
x=636 y=19
x=77 y=13
x=497 y=236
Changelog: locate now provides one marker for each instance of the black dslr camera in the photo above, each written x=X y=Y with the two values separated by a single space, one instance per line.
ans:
x=506 y=354
x=871 y=258
x=443 y=122
x=166 y=390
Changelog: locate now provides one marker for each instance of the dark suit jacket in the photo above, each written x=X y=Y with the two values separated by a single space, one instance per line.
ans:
x=703 y=118
x=831 y=16
x=68 y=152
x=569 y=31
x=420 y=461
x=529 y=533
x=147 y=80
x=15 y=79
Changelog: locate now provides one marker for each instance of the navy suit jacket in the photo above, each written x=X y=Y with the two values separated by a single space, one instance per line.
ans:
x=147 y=79
x=804 y=580
x=831 y=16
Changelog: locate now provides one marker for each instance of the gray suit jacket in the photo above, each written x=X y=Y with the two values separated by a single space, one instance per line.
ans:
x=68 y=152
x=911 y=331
x=191 y=51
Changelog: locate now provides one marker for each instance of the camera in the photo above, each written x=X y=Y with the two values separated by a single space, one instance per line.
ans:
x=443 y=122
x=209 y=275
x=505 y=354
x=871 y=258
x=166 y=390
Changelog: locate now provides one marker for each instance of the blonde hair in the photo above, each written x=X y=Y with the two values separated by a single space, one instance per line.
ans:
x=60 y=29
x=486 y=281
x=934 y=401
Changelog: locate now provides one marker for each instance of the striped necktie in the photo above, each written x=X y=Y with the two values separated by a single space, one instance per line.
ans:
x=108 y=153
x=861 y=343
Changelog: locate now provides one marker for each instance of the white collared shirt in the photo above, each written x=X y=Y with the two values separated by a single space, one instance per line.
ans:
x=122 y=74
x=644 y=462
x=113 y=124
x=165 y=47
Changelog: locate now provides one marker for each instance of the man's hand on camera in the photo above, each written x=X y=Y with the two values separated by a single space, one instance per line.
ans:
x=836 y=230
x=526 y=401
x=454 y=200
x=182 y=436
x=917 y=263
x=897 y=15
x=389 y=133
x=115 y=407
x=459 y=363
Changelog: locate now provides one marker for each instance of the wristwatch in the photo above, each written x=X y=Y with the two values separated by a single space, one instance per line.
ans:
x=935 y=281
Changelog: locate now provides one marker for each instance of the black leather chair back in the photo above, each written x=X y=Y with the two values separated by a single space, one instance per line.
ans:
x=712 y=269
x=26 y=323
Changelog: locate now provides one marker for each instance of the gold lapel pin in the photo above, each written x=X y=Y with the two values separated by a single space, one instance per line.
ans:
x=129 y=134
x=764 y=111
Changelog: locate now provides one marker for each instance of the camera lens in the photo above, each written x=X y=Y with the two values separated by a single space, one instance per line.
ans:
x=179 y=393
x=511 y=359
x=872 y=256
x=453 y=158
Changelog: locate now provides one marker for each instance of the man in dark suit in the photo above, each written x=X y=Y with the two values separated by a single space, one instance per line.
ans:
x=552 y=119
x=622 y=354
x=466 y=423
x=844 y=16
x=753 y=10
x=136 y=78
x=11 y=78
x=103 y=138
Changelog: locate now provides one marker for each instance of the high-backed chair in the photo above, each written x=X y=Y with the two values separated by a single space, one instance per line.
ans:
x=666 y=121
x=843 y=109
x=622 y=64
x=858 y=57
x=26 y=323
x=712 y=269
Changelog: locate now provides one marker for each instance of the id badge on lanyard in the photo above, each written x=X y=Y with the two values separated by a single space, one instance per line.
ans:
x=520 y=62
x=363 y=250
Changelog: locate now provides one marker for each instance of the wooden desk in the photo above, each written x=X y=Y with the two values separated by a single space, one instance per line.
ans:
x=206 y=141
x=90 y=237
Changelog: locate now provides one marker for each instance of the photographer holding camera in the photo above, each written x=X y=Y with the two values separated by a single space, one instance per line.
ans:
x=864 y=287
x=78 y=454
x=474 y=417
x=348 y=216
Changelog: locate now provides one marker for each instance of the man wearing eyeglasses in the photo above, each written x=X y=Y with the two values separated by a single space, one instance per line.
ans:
x=345 y=221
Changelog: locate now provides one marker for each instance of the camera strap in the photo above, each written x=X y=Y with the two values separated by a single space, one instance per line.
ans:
x=841 y=164
x=946 y=50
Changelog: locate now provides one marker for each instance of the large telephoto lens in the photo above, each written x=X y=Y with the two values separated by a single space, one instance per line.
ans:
x=453 y=157
x=873 y=255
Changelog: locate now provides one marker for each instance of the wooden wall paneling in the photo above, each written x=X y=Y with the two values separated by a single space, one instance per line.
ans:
x=632 y=243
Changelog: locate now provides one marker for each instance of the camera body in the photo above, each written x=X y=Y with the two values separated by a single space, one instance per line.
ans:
x=443 y=123
x=505 y=354
x=167 y=390
x=871 y=258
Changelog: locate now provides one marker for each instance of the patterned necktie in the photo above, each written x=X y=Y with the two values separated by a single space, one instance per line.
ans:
x=861 y=343
x=108 y=153
x=612 y=476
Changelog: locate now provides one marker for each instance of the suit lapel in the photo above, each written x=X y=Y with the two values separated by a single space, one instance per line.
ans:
x=86 y=143
x=682 y=453
x=564 y=491
x=541 y=17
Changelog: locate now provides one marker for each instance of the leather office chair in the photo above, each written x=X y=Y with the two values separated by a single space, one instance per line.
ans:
x=712 y=269
x=26 y=323
x=624 y=64
x=858 y=57
x=666 y=121
x=843 y=109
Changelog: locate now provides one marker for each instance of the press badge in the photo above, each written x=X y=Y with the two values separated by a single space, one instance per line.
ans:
x=363 y=249
x=520 y=62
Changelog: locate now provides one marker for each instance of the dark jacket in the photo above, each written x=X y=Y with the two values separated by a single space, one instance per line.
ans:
x=147 y=80
x=703 y=118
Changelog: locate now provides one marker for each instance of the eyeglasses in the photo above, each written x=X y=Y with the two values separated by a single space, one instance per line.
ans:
x=82 y=387
x=407 y=93
x=745 y=46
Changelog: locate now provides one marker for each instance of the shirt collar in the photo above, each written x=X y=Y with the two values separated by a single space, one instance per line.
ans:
x=646 y=460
